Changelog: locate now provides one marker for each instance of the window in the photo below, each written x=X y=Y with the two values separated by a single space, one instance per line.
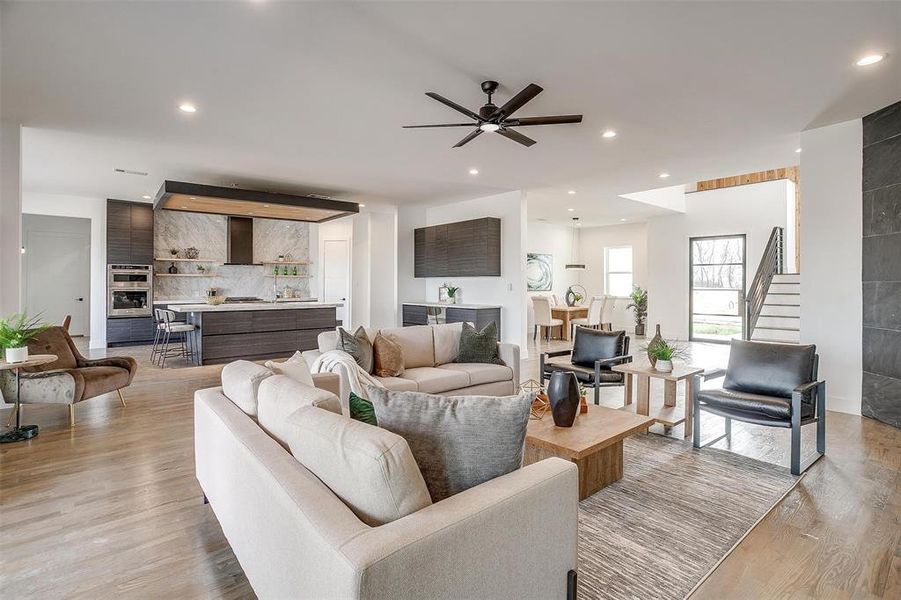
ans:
x=618 y=271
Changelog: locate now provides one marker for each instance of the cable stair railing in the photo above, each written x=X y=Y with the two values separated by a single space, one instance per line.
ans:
x=772 y=263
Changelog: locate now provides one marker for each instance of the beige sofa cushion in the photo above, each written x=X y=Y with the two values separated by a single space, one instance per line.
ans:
x=398 y=384
x=280 y=395
x=480 y=373
x=371 y=469
x=417 y=344
x=241 y=383
x=295 y=367
x=432 y=380
x=447 y=342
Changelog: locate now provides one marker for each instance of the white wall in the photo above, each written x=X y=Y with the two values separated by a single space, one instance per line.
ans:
x=593 y=242
x=508 y=290
x=556 y=240
x=749 y=209
x=409 y=288
x=383 y=269
x=10 y=217
x=831 y=258
x=62 y=205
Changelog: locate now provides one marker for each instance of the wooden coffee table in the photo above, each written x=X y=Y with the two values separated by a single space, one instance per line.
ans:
x=594 y=443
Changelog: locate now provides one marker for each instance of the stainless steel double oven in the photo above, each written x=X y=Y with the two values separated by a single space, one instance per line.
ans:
x=130 y=290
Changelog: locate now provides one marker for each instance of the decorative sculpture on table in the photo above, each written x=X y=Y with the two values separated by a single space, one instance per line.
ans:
x=575 y=294
x=539 y=272
x=564 y=395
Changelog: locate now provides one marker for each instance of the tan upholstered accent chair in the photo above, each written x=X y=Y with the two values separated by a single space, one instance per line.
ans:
x=71 y=378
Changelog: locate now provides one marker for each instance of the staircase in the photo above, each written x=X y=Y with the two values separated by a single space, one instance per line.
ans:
x=780 y=315
x=773 y=307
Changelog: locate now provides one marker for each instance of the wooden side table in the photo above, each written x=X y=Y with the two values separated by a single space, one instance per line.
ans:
x=20 y=432
x=669 y=414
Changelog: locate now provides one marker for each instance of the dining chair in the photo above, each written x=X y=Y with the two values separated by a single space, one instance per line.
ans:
x=543 y=318
x=593 y=320
x=607 y=312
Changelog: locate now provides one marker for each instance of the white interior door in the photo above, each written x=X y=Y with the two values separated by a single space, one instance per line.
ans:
x=58 y=277
x=336 y=274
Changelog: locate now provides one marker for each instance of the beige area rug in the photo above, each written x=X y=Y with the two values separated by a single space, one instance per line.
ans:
x=675 y=514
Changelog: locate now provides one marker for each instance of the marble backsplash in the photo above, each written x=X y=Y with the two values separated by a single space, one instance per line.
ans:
x=208 y=233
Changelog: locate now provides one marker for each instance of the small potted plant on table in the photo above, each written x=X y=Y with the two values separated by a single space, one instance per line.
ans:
x=15 y=333
x=663 y=353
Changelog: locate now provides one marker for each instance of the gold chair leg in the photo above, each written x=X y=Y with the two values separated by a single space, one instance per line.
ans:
x=12 y=414
x=71 y=415
x=121 y=397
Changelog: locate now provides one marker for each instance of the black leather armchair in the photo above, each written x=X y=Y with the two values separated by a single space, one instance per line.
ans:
x=768 y=384
x=593 y=354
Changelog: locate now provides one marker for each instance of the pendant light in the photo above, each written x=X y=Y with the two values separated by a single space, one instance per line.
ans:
x=575 y=265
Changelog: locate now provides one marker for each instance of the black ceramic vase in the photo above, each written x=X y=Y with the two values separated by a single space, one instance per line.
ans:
x=563 y=394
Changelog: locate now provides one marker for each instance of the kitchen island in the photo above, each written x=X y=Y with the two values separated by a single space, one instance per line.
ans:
x=256 y=330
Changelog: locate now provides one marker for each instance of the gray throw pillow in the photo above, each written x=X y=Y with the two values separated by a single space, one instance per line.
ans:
x=358 y=346
x=457 y=441
x=479 y=346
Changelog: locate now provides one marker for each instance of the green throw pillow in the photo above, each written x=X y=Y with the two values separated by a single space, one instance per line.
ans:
x=358 y=345
x=479 y=346
x=361 y=410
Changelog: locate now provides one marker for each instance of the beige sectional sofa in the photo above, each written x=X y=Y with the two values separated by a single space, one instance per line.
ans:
x=429 y=353
x=511 y=537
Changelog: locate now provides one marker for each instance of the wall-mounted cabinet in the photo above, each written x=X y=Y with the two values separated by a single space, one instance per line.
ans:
x=129 y=233
x=463 y=249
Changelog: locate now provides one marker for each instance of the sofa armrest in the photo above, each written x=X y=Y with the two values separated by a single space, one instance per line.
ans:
x=509 y=353
x=310 y=356
x=329 y=382
x=496 y=540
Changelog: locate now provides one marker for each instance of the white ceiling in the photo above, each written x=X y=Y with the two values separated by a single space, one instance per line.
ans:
x=311 y=96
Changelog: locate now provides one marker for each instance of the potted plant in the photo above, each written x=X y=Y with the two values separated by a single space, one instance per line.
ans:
x=15 y=333
x=452 y=293
x=201 y=269
x=639 y=304
x=663 y=353
x=173 y=252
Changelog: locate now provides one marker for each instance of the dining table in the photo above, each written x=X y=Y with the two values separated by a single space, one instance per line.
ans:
x=567 y=314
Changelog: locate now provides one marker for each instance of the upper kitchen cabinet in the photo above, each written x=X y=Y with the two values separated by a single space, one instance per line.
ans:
x=464 y=249
x=129 y=233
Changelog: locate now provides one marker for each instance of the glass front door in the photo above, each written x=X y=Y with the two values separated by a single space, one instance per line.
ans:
x=717 y=288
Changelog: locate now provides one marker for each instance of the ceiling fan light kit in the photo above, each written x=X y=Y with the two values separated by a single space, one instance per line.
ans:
x=492 y=119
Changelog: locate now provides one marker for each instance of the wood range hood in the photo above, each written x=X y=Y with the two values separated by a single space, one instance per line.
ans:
x=236 y=202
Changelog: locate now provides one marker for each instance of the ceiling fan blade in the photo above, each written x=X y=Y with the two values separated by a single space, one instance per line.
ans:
x=556 y=120
x=468 y=138
x=440 y=125
x=453 y=105
x=518 y=101
x=516 y=137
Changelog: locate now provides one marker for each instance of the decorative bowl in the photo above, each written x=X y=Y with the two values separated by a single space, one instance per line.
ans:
x=215 y=300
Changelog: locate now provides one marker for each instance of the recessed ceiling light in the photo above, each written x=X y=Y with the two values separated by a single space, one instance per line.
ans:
x=489 y=127
x=663 y=175
x=570 y=209
x=797 y=151
x=184 y=207
x=609 y=134
x=871 y=59
x=623 y=219
x=193 y=198
x=265 y=206
x=187 y=107
x=473 y=171
x=145 y=197
x=362 y=206
x=571 y=192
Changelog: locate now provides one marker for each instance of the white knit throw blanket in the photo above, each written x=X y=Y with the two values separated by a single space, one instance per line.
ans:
x=344 y=365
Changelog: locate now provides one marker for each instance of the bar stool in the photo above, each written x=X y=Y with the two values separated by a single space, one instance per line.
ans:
x=158 y=334
x=181 y=330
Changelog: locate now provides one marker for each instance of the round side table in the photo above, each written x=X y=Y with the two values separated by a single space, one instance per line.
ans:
x=20 y=432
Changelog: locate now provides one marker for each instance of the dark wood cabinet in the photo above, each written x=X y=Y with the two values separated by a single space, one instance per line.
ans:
x=129 y=331
x=464 y=249
x=129 y=233
x=479 y=316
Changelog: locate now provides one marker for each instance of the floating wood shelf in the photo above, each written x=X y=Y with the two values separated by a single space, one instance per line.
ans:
x=196 y=260
x=184 y=274
x=289 y=276
x=284 y=262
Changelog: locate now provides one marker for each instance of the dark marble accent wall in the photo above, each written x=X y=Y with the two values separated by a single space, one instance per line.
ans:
x=882 y=265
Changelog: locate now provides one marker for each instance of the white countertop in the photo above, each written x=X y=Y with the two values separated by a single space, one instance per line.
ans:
x=448 y=305
x=284 y=305
x=203 y=301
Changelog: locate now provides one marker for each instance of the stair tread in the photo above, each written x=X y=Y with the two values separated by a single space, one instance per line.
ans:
x=783 y=293
x=779 y=316
x=775 y=328
x=778 y=304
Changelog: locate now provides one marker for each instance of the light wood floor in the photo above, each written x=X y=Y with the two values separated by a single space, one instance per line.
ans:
x=112 y=509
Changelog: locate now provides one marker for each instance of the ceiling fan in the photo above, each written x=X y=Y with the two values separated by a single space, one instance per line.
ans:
x=499 y=120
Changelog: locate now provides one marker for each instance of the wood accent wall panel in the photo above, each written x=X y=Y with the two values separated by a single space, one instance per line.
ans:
x=463 y=249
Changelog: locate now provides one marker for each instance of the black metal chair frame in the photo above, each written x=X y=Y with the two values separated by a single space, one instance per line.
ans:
x=596 y=383
x=815 y=388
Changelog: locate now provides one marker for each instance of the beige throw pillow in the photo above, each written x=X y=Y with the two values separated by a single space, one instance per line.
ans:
x=388 y=356
x=295 y=367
